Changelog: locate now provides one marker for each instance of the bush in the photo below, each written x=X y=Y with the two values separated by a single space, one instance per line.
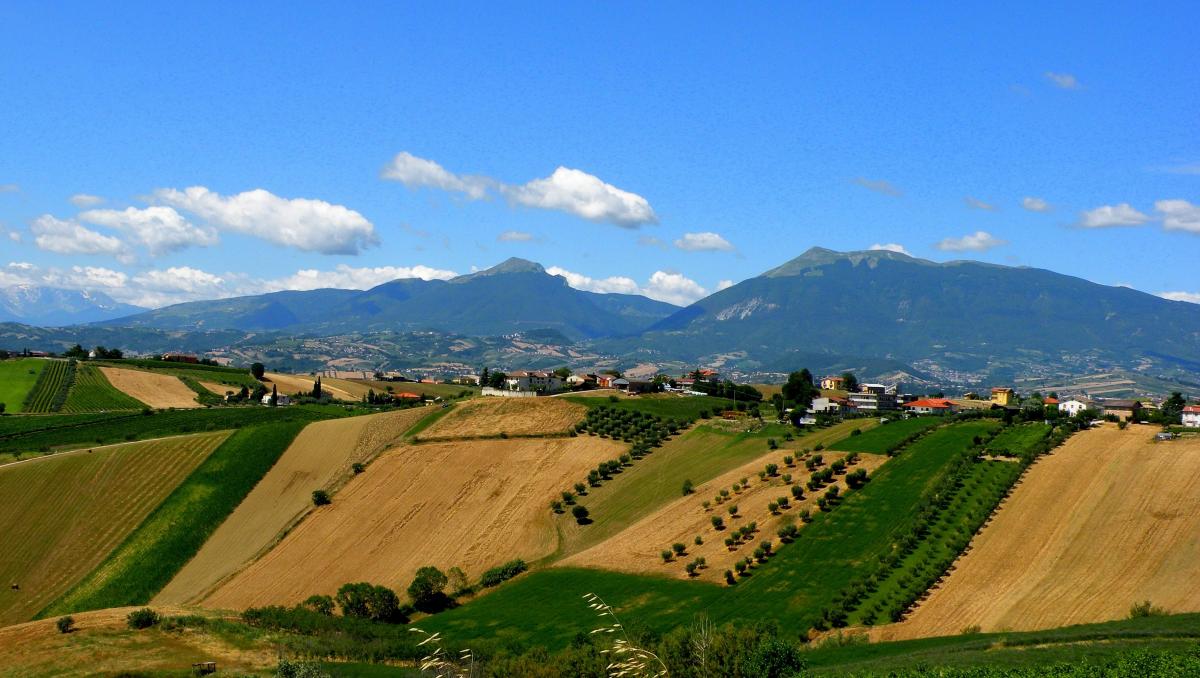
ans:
x=357 y=467
x=774 y=658
x=65 y=624
x=142 y=619
x=679 y=548
x=687 y=487
x=666 y=555
x=502 y=573
x=377 y=603
x=718 y=523
x=580 y=513
x=427 y=590
x=319 y=604
x=733 y=510
x=1145 y=609
x=320 y=498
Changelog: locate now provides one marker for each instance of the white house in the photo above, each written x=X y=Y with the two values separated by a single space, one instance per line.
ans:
x=1191 y=416
x=874 y=397
x=832 y=405
x=280 y=400
x=523 y=380
x=1073 y=406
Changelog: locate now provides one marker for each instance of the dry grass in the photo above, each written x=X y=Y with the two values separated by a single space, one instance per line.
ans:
x=291 y=384
x=491 y=416
x=63 y=514
x=319 y=458
x=470 y=504
x=156 y=390
x=638 y=548
x=1107 y=520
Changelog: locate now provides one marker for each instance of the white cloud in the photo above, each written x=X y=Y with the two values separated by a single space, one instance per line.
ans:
x=416 y=172
x=514 y=236
x=1179 y=215
x=10 y=188
x=724 y=285
x=1191 y=297
x=160 y=229
x=1063 y=80
x=703 y=242
x=879 y=186
x=579 y=193
x=1035 y=204
x=347 y=277
x=890 y=247
x=979 y=241
x=302 y=223
x=69 y=237
x=1112 y=215
x=82 y=200
x=614 y=284
x=977 y=204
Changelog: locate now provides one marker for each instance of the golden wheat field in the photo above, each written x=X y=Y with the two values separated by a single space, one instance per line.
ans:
x=156 y=390
x=490 y=416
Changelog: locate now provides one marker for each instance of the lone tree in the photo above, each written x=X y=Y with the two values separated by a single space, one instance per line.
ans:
x=581 y=514
x=850 y=382
x=274 y=395
x=427 y=589
x=257 y=370
x=316 y=392
x=320 y=498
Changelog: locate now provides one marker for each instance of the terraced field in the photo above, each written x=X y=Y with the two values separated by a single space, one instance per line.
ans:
x=92 y=392
x=64 y=514
x=53 y=382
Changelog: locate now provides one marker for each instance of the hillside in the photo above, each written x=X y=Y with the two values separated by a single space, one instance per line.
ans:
x=516 y=295
x=52 y=307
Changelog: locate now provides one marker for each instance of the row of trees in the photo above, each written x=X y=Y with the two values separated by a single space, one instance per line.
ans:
x=101 y=353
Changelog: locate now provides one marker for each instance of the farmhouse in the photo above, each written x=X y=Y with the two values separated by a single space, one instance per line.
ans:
x=180 y=358
x=523 y=380
x=1073 y=406
x=931 y=406
x=1191 y=416
x=1121 y=409
x=280 y=399
x=873 y=397
x=1003 y=396
x=831 y=405
x=834 y=383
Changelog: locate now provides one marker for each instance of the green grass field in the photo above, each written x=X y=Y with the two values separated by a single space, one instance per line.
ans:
x=791 y=588
x=1015 y=440
x=224 y=375
x=25 y=436
x=679 y=407
x=882 y=438
x=17 y=379
x=64 y=514
x=50 y=391
x=91 y=392
x=175 y=531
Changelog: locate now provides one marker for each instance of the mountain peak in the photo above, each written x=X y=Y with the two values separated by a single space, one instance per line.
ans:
x=509 y=265
x=815 y=257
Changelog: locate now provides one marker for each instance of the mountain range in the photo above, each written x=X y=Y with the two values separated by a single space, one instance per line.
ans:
x=54 y=307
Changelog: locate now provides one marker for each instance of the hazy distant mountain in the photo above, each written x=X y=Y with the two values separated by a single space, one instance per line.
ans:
x=960 y=315
x=514 y=296
x=52 y=306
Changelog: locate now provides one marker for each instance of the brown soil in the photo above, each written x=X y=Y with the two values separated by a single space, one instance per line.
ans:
x=470 y=504
x=319 y=458
x=156 y=390
x=638 y=548
x=1108 y=520
x=491 y=416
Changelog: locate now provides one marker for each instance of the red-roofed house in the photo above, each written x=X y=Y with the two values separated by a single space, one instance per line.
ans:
x=406 y=395
x=1049 y=401
x=931 y=406
x=1191 y=416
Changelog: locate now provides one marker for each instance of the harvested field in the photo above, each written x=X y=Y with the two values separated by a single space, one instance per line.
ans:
x=291 y=384
x=320 y=457
x=1109 y=519
x=485 y=417
x=156 y=390
x=64 y=514
x=471 y=504
x=102 y=644
x=638 y=548
x=219 y=389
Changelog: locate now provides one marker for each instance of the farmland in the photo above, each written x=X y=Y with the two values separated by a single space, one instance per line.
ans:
x=886 y=437
x=291 y=384
x=488 y=417
x=156 y=390
x=1109 y=511
x=52 y=387
x=232 y=376
x=319 y=458
x=17 y=380
x=149 y=557
x=469 y=504
x=1014 y=440
x=64 y=514
x=92 y=392
x=360 y=387
x=676 y=407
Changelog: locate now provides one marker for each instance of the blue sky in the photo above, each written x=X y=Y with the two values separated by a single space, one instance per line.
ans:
x=215 y=149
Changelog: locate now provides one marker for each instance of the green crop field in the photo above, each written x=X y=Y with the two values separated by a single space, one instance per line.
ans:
x=883 y=438
x=224 y=375
x=53 y=384
x=20 y=436
x=678 y=407
x=175 y=531
x=792 y=588
x=64 y=514
x=91 y=392
x=1015 y=440
x=17 y=380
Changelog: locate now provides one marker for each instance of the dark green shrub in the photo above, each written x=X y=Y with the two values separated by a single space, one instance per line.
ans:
x=142 y=619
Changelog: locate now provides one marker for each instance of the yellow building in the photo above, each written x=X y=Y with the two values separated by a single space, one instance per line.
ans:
x=833 y=383
x=1003 y=396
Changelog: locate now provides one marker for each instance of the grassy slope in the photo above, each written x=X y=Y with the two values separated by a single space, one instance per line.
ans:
x=882 y=438
x=1016 y=439
x=92 y=393
x=64 y=514
x=664 y=406
x=223 y=375
x=176 y=530
x=700 y=455
x=791 y=588
x=28 y=435
x=17 y=378
x=48 y=393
